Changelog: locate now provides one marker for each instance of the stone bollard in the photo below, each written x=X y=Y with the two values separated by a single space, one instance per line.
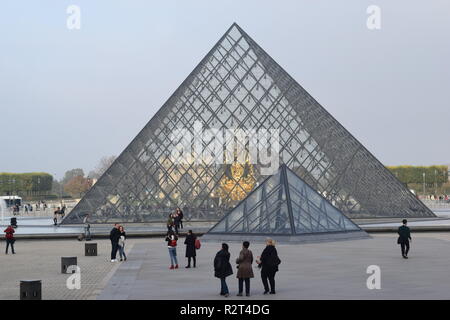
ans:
x=90 y=249
x=66 y=262
x=30 y=290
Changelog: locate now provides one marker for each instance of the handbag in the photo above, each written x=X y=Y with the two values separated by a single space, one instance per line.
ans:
x=197 y=244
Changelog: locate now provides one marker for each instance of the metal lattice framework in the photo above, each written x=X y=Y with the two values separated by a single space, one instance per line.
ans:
x=283 y=205
x=238 y=85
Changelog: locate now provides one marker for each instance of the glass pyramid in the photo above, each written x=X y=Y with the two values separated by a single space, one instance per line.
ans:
x=238 y=85
x=283 y=205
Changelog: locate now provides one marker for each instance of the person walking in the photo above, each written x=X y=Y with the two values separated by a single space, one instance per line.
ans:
x=63 y=211
x=171 y=239
x=268 y=262
x=122 y=239
x=404 y=238
x=9 y=235
x=190 y=248
x=245 y=270
x=55 y=216
x=114 y=236
x=222 y=268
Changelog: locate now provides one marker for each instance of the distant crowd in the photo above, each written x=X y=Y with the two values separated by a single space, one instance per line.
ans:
x=443 y=197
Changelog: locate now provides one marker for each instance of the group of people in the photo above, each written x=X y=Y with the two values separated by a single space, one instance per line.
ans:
x=118 y=238
x=442 y=197
x=60 y=211
x=175 y=221
x=192 y=245
x=28 y=207
x=41 y=203
x=268 y=262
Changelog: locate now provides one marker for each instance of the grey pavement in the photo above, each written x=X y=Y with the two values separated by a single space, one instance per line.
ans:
x=331 y=270
x=41 y=259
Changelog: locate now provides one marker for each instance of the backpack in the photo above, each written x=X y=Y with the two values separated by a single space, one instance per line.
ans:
x=197 y=244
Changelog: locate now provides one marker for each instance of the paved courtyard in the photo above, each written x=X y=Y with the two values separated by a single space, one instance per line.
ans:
x=333 y=270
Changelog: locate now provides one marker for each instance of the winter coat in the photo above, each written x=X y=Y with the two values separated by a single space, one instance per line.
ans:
x=172 y=241
x=9 y=233
x=404 y=234
x=190 y=245
x=114 y=235
x=176 y=220
x=222 y=266
x=269 y=260
x=170 y=221
x=245 y=261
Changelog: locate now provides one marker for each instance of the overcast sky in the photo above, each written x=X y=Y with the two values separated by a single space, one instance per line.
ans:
x=69 y=97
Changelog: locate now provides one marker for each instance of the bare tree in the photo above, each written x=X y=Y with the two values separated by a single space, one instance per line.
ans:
x=104 y=164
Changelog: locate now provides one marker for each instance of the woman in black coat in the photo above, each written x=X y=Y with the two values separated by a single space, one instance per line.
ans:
x=222 y=268
x=268 y=262
x=190 y=248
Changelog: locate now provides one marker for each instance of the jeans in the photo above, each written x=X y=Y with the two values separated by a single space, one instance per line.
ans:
x=271 y=277
x=173 y=256
x=8 y=243
x=223 y=286
x=122 y=251
x=247 y=285
x=114 y=248
x=405 y=248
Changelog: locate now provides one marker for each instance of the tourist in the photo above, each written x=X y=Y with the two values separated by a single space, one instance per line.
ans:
x=63 y=211
x=171 y=239
x=55 y=216
x=268 y=262
x=170 y=223
x=121 y=247
x=245 y=270
x=222 y=268
x=114 y=236
x=176 y=221
x=404 y=238
x=181 y=215
x=190 y=248
x=9 y=235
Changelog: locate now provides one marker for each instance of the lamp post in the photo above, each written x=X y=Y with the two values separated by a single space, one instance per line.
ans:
x=424 y=184
x=435 y=182
x=13 y=186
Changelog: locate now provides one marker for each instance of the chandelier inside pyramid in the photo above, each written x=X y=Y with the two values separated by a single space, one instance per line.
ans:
x=236 y=118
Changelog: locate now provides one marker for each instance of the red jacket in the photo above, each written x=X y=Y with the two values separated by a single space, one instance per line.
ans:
x=9 y=233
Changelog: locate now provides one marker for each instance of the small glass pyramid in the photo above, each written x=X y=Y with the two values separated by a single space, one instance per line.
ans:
x=286 y=205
